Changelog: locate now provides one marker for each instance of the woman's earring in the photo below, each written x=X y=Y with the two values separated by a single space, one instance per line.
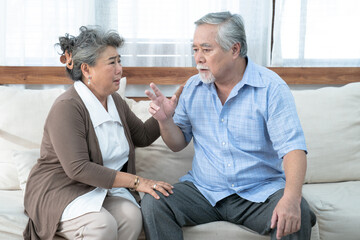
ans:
x=89 y=80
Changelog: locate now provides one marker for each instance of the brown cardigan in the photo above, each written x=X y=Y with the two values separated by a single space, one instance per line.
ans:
x=70 y=161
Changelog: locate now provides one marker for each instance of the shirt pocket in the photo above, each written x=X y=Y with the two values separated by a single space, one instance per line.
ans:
x=247 y=133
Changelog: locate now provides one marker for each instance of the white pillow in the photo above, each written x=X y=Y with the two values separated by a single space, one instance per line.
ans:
x=330 y=118
x=122 y=87
x=23 y=114
x=8 y=173
x=24 y=161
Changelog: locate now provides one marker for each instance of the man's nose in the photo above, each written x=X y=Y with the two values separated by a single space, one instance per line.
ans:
x=199 y=57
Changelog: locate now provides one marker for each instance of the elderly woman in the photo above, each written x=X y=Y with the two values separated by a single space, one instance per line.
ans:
x=79 y=188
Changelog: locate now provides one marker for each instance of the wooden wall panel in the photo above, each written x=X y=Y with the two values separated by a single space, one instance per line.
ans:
x=177 y=75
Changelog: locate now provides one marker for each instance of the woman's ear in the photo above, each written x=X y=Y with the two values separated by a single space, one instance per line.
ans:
x=85 y=69
x=236 y=50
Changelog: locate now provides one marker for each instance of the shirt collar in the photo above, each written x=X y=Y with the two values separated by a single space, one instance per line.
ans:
x=251 y=75
x=97 y=112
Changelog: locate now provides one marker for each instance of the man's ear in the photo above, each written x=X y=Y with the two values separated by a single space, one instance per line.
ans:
x=85 y=69
x=236 y=50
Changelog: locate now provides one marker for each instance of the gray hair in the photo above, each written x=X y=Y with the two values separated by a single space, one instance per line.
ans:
x=87 y=47
x=231 y=30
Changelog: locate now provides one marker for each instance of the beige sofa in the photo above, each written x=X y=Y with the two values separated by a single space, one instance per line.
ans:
x=330 y=118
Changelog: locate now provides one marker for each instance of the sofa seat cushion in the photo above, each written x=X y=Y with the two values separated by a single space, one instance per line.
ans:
x=12 y=217
x=226 y=230
x=337 y=208
x=221 y=230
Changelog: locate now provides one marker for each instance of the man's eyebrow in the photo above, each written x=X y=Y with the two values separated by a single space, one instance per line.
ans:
x=203 y=45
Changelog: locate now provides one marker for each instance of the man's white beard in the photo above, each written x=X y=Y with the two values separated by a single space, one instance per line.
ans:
x=205 y=77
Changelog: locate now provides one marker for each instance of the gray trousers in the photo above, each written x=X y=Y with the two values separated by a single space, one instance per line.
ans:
x=164 y=218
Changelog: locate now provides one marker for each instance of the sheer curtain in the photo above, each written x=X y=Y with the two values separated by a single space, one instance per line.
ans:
x=29 y=29
x=160 y=32
x=310 y=33
x=157 y=32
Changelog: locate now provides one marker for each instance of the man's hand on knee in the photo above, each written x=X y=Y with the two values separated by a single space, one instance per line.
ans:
x=286 y=217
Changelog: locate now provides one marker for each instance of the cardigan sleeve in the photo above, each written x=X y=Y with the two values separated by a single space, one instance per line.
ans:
x=68 y=132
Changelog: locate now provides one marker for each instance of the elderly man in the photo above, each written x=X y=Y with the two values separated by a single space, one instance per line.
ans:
x=250 y=152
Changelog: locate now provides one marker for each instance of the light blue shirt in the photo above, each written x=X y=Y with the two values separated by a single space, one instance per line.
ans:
x=239 y=146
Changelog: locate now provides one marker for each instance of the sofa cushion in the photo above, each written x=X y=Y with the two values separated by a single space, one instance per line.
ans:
x=8 y=174
x=330 y=118
x=337 y=209
x=227 y=230
x=12 y=218
x=158 y=162
x=211 y=231
x=24 y=161
x=25 y=113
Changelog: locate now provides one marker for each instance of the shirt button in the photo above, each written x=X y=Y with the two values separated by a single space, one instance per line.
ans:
x=223 y=143
x=232 y=185
x=222 y=120
x=229 y=165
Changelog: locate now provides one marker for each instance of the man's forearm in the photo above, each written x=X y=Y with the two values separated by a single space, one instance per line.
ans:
x=295 y=169
x=172 y=135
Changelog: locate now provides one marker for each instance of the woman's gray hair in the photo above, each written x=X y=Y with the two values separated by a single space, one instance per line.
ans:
x=87 y=46
x=231 y=30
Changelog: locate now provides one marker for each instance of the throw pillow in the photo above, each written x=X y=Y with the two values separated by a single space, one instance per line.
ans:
x=24 y=161
x=24 y=115
x=8 y=174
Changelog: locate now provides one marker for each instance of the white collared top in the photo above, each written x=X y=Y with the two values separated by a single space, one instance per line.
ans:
x=114 y=150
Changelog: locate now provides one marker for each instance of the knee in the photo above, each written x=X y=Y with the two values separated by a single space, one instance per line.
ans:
x=131 y=215
x=130 y=224
x=104 y=224
x=149 y=205
x=308 y=218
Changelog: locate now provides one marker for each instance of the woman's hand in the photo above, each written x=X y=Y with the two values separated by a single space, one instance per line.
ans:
x=131 y=181
x=149 y=186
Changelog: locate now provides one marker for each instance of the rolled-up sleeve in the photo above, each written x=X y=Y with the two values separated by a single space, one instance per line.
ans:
x=283 y=123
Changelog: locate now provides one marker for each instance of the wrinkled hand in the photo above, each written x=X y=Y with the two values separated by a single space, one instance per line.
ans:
x=286 y=217
x=149 y=186
x=161 y=108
